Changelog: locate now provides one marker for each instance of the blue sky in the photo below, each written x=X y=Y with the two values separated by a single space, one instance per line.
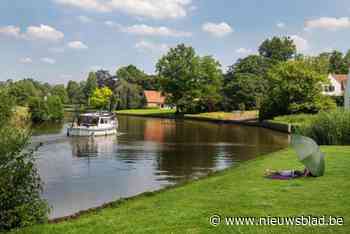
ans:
x=58 y=40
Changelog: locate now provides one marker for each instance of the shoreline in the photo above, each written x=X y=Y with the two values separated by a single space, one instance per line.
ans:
x=186 y=207
x=253 y=122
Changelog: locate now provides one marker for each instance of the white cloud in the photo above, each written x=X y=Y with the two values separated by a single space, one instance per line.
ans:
x=301 y=43
x=244 y=51
x=145 y=30
x=328 y=23
x=48 y=60
x=165 y=9
x=11 y=31
x=146 y=46
x=217 y=30
x=281 y=25
x=44 y=32
x=94 y=5
x=84 y=19
x=77 y=45
x=26 y=60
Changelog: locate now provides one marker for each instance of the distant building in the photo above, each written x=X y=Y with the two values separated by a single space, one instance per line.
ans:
x=336 y=86
x=155 y=99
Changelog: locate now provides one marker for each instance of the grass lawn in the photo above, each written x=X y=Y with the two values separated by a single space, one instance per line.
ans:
x=225 y=115
x=203 y=116
x=295 y=120
x=239 y=191
x=149 y=112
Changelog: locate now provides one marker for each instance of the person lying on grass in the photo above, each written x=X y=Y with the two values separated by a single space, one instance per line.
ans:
x=287 y=174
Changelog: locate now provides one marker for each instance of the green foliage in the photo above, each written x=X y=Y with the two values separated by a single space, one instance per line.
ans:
x=294 y=88
x=61 y=92
x=75 y=92
x=90 y=85
x=20 y=185
x=245 y=84
x=337 y=63
x=55 y=108
x=42 y=110
x=128 y=96
x=185 y=77
x=23 y=90
x=329 y=128
x=278 y=49
x=7 y=106
x=133 y=75
x=101 y=98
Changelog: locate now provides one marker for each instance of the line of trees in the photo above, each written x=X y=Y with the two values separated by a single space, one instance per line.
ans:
x=196 y=83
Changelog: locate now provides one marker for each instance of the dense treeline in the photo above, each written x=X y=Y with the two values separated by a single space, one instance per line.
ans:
x=277 y=81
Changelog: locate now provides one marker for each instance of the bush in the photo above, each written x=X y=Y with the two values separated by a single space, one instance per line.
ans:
x=55 y=107
x=50 y=110
x=329 y=128
x=294 y=88
x=20 y=185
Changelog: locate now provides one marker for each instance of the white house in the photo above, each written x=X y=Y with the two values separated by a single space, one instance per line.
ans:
x=336 y=86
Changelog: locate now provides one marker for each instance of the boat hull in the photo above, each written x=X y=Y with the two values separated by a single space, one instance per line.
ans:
x=89 y=132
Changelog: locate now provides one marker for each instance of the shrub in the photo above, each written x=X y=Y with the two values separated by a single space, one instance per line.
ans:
x=55 y=107
x=329 y=128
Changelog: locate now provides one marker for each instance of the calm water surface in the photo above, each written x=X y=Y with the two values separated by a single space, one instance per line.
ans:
x=148 y=154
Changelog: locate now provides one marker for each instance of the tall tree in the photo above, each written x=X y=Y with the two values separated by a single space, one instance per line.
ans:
x=245 y=83
x=127 y=96
x=278 y=49
x=211 y=79
x=294 y=88
x=101 y=98
x=337 y=63
x=90 y=86
x=61 y=92
x=180 y=73
x=75 y=92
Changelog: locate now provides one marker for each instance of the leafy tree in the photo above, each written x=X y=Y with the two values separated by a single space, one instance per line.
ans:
x=75 y=92
x=210 y=84
x=134 y=75
x=101 y=98
x=295 y=87
x=55 y=108
x=7 y=106
x=61 y=92
x=39 y=110
x=128 y=96
x=105 y=79
x=347 y=58
x=90 y=86
x=278 y=49
x=337 y=63
x=179 y=70
x=22 y=90
x=245 y=84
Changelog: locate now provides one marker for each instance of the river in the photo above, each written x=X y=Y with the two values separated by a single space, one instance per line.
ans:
x=148 y=154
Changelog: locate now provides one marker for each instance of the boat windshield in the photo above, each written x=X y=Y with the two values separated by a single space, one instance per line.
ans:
x=88 y=121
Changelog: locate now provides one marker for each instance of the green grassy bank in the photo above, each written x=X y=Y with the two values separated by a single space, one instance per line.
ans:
x=238 y=191
x=212 y=116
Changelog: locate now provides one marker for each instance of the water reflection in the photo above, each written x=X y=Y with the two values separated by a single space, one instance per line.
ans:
x=81 y=173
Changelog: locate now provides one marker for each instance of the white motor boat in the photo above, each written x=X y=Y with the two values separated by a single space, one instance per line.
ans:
x=94 y=124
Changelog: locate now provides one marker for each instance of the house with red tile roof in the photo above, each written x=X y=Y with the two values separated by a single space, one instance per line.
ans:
x=154 y=99
x=336 y=86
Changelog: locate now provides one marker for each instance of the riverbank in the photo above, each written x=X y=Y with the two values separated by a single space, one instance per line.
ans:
x=249 y=118
x=238 y=191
